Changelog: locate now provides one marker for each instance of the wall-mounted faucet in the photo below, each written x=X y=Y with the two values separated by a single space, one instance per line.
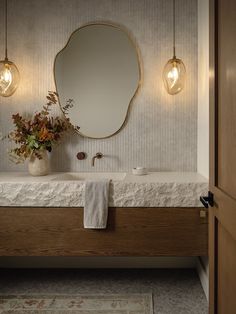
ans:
x=97 y=156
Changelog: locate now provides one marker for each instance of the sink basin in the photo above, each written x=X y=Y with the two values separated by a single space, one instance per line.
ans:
x=82 y=176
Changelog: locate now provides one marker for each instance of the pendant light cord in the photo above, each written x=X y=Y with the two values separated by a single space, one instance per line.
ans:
x=6 y=30
x=174 y=28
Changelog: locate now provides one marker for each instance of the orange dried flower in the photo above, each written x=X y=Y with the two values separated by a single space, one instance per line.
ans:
x=41 y=132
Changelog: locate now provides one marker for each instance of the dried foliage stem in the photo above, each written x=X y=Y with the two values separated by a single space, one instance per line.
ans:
x=39 y=133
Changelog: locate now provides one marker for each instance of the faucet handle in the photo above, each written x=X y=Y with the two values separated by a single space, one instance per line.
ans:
x=99 y=155
x=81 y=155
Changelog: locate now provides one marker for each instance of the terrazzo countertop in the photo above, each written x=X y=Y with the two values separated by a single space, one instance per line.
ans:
x=156 y=189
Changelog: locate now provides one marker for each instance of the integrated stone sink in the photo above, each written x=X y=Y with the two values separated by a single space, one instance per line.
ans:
x=82 y=176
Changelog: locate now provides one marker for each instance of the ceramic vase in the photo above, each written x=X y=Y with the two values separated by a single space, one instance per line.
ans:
x=39 y=167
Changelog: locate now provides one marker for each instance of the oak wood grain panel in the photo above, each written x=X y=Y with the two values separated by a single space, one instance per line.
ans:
x=130 y=232
x=226 y=97
x=226 y=272
x=222 y=233
x=213 y=96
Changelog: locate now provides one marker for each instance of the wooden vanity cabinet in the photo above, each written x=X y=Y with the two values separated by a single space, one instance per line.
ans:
x=31 y=231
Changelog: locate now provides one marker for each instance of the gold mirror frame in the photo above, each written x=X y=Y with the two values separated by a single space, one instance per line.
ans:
x=133 y=42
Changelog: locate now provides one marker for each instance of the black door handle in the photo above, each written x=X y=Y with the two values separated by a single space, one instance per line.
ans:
x=207 y=200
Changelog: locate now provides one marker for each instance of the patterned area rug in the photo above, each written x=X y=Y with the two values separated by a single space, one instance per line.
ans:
x=78 y=304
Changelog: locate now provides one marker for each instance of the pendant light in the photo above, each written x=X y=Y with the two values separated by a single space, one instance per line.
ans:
x=9 y=74
x=174 y=71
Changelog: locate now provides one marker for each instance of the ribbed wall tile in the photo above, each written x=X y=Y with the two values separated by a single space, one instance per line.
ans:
x=161 y=131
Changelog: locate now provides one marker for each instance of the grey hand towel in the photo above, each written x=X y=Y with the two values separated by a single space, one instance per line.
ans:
x=96 y=204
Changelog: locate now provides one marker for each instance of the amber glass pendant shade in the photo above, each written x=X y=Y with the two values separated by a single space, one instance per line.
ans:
x=174 y=72
x=9 y=74
x=9 y=78
x=174 y=76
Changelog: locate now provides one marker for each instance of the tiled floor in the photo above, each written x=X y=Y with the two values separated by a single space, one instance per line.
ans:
x=174 y=291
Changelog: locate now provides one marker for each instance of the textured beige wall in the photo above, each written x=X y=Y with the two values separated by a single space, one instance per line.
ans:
x=203 y=88
x=161 y=132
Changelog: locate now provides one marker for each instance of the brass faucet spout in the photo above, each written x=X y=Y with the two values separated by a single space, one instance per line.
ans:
x=97 y=156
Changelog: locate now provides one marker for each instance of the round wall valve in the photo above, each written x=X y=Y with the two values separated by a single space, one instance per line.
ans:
x=81 y=156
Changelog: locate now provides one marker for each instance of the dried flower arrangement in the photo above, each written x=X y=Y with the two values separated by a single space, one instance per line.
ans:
x=40 y=132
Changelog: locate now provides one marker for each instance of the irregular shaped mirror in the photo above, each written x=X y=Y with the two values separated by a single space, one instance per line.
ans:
x=99 y=70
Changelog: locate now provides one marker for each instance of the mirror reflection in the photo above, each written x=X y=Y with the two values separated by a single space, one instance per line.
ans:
x=99 y=70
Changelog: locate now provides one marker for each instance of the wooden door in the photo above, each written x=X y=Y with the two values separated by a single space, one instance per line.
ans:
x=222 y=216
